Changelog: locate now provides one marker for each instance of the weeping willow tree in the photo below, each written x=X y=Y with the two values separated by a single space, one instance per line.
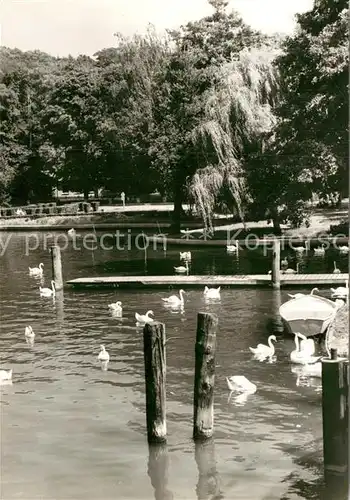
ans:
x=238 y=114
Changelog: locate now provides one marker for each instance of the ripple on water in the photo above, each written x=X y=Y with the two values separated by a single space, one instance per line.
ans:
x=66 y=417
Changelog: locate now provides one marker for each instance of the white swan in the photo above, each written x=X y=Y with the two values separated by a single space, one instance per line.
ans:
x=116 y=307
x=314 y=290
x=144 y=318
x=185 y=256
x=306 y=345
x=240 y=383
x=299 y=249
x=342 y=292
x=174 y=299
x=35 y=271
x=320 y=250
x=302 y=357
x=28 y=333
x=48 y=292
x=265 y=350
x=212 y=293
x=296 y=295
x=5 y=375
x=343 y=250
x=232 y=248
x=291 y=271
x=103 y=355
x=336 y=270
x=182 y=269
x=71 y=232
x=284 y=262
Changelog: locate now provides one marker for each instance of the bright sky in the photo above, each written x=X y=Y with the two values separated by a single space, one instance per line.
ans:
x=62 y=27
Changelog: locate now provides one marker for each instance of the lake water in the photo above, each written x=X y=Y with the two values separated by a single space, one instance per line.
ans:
x=73 y=431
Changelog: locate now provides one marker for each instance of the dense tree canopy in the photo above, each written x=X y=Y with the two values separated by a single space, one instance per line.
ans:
x=214 y=112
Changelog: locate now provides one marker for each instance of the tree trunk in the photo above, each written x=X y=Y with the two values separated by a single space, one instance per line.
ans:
x=276 y=222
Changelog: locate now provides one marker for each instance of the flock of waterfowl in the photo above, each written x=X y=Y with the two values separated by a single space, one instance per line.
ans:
x=303 y=354
x=174 y=301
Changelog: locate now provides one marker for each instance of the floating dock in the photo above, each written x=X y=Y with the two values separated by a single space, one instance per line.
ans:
x=299 y=280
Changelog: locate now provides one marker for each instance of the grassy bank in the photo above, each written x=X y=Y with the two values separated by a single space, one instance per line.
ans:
x=322 y=221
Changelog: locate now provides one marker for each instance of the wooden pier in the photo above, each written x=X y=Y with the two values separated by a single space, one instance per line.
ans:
x=299 y=280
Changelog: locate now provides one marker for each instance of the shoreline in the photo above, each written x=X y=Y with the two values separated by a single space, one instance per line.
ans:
x=157 y=217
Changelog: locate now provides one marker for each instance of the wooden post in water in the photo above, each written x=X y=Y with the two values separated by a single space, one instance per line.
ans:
x=276 y=257
x=57 y=267
x=155 y=376
x=204 y=376
x=335 y=413
x=277 y=323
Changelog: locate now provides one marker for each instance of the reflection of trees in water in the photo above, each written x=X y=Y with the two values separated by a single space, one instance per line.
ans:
x=336 y=488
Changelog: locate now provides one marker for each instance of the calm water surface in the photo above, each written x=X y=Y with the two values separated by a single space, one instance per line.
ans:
x=73 y=431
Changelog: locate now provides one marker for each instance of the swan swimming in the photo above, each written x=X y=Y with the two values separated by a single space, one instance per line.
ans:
x=341 y=292
x=5 y=375
x=28 y=333
x=296 y=295
x=284 y=262
x=343 y=250
x=212 y=293
x=144 y=318
x=336 y=270
x=48 y=292
x=185 y=256
x=302 y=357
x=36 y=271
x=306 y=345
x=265 y=350
x=116 y=307
x=182 y=269
x=174 y=299
x=232 y=248
x=292 y=271
x=71 y=232
x=240 y=383
x=103 y=355
x=320 y=250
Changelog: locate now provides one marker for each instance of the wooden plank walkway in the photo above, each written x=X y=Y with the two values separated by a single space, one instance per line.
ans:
x=200 y=281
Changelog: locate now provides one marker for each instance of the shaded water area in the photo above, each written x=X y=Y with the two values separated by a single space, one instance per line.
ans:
x=73 y=431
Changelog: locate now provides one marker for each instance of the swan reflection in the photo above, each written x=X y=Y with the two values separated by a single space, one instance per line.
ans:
x=263 y=357
x=308 y=375
x=104 y=365
x=240 y=399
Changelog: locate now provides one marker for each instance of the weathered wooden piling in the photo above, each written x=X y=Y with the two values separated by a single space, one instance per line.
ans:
x=208 y=485
x=158 y=470
x=277 y=322
x=204 y=377
x=155 y=377
x=335 y=413
x=57 y=267
x=276 y=258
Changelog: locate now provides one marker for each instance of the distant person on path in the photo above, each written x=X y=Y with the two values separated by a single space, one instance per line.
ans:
x=122 y=195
